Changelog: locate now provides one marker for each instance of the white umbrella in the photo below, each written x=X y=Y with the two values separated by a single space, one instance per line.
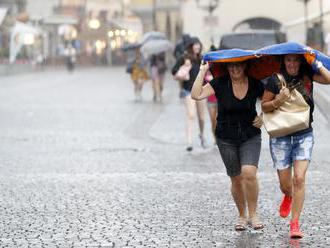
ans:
x=156 y=46
x=132 y=46
x=153 y=35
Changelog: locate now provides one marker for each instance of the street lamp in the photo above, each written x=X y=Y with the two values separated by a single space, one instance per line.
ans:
x=154 y=21
x=321 y=24
x=94 y=23
x=209 y=6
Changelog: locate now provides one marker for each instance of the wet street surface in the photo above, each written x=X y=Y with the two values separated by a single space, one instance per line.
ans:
x=83 y=165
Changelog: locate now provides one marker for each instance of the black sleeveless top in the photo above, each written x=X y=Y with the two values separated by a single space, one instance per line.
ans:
x=306 y=89
x=235 y=116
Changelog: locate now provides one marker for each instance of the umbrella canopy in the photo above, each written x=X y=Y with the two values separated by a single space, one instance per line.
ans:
x=156 y=46
x=263 y=62
x=129 y=47
x=153 y=35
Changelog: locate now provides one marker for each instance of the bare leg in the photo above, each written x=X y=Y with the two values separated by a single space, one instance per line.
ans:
x=200 y=114
x=300 y=168
x=200 y=105
x=285 y=178
x=161 y=85
x=213 y=112
x=237 y=191
x=155 y=88
x=190 y=115
x=250 y=183
x=136 y=89
x=140 y=83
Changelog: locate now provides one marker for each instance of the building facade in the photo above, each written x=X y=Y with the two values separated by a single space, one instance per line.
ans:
x=230 y=15
x=160 y=15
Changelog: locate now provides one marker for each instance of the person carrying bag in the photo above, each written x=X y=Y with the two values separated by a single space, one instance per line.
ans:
x=289 y=122
x=289 y=117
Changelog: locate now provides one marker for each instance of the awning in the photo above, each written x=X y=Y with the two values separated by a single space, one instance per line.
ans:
x=60 y=19
x=133 y=24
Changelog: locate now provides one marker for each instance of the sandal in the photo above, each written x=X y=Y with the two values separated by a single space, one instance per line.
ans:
x=241 y=224
x=255 y=223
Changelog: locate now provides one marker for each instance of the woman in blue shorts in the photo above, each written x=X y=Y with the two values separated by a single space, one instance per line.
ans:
x=291 y=154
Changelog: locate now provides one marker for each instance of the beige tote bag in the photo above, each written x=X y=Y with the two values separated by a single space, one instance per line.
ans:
x=292 y=116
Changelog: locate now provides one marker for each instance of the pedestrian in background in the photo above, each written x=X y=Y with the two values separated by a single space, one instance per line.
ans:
x=40 y=61
x=70 y=57
x=193 y=55
x=157 y=70
x=137 y=68
x=212 y=104
x=238 y=134
x=292 y=154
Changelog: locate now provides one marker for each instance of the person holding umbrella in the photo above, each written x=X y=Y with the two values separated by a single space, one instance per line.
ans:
x=292 y=153
x=137 y=68
x=238 y=133
x=158 y=69
x=154 y=47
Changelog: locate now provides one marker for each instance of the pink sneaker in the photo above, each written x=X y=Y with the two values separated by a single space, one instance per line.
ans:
x=285 y=207
x=295 y=232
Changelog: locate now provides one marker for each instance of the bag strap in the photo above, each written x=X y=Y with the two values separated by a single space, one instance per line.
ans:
x=281 y=80
x=302 y=89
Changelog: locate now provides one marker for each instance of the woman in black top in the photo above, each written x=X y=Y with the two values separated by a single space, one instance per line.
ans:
x=291 y=154
x=238 y=134
x=193 y=54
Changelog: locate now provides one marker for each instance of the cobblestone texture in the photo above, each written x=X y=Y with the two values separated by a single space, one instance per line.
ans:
x=82 y=165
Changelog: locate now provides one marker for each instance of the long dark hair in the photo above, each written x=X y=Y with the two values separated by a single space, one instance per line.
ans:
x=304 y=69
x=194 y=57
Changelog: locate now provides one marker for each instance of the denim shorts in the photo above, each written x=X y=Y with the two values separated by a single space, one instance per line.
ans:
x=184 y=93
x=236 y=154
x=286 y=150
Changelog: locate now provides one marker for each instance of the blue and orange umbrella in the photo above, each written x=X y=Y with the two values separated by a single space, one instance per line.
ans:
x=263 y=62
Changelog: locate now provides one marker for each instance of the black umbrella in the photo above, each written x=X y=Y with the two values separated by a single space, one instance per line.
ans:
x=181 y=46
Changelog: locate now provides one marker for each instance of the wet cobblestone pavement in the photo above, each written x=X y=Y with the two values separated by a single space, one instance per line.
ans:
x=82 y=165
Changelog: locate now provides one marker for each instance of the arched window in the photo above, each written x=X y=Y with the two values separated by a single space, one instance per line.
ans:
x=257 y=23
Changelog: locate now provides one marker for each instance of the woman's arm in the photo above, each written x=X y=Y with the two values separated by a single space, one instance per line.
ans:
x=323 y=77
x=267 y=104
x=177 y=65
x=270 y=101
x=198 y=91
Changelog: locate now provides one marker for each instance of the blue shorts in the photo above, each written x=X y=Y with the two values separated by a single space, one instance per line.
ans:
x=184 y=93
x=286 y=150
